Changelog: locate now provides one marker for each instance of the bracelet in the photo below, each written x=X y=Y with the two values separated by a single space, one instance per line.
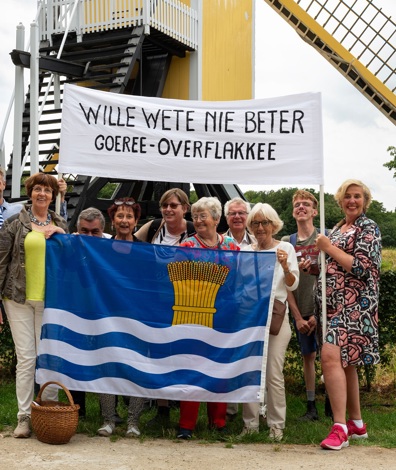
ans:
x=286 y=272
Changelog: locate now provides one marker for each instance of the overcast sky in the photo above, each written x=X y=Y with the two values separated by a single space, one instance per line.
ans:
x=356 y=134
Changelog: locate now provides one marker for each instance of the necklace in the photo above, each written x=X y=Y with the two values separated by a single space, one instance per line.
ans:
x=205 y=244
x=37 y=222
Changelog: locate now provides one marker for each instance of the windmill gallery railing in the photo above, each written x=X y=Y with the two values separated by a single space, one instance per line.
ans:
x=172 y=17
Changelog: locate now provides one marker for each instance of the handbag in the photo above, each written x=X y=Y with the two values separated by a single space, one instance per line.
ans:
x=278 y=314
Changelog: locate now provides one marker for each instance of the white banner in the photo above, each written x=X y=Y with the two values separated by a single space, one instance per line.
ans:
x=266 y=141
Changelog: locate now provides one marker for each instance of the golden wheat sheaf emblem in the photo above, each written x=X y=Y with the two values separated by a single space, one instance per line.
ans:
x=196 y=284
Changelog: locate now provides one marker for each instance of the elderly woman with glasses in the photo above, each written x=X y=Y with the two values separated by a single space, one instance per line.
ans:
x=206 y=213
x=264 y=222
x=22 y=281
x=124 y=214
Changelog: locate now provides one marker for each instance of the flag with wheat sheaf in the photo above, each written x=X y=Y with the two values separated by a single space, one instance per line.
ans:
x=155 y=321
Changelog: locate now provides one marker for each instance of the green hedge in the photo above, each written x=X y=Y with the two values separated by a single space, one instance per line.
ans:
x=293 y=366
x=387 y=335
x=387 y=315
x=7 y=351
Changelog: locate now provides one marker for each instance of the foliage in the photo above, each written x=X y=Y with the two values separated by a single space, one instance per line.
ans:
x=108 y=191
x=388 y=260
x=387 y=315
x=7 y=351
x=391 y=165
x=375 y=407
x=193 y=197
x=387 y=335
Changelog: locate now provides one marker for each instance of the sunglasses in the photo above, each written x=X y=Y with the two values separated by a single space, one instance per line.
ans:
x=172 y=205
x=119 y=202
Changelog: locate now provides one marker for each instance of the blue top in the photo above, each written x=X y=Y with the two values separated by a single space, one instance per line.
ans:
x=10 y=209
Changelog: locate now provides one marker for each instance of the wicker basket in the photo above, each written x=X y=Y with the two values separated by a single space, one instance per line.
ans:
x=54 y=422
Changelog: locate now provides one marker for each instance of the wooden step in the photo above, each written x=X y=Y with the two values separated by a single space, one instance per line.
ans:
x=92 y=40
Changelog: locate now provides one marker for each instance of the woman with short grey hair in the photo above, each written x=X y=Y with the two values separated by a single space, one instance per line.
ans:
x=211 y=204
x=206 y=213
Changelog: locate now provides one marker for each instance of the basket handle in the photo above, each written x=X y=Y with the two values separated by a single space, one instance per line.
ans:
x=68 y=394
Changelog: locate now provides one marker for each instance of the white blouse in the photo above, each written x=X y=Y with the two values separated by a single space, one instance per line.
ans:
x=279 y=277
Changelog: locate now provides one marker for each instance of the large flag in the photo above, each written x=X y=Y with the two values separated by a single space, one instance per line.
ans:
x=264 y=141
x=155 y=321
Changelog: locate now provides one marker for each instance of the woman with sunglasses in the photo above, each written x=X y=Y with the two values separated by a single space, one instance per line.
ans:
x=264 y=222
x=124 y=214
x=206 y=213
x=171 y=229
x=22 y=281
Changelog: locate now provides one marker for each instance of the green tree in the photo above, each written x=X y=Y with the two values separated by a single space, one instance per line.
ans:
x=392 y=164
x=281 y=201
x=193 y=197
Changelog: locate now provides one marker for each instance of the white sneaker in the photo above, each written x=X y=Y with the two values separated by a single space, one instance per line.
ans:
x=23 y=428
x=276 y=434
x=246 y=431
x=132 y=431
x=106 y=430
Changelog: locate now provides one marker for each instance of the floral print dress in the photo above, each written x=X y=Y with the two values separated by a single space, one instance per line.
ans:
x=352 y=298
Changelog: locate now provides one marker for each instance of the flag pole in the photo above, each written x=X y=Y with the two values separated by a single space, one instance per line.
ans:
x=323 y=260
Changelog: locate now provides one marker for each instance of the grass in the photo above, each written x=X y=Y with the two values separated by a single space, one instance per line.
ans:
x=388 y=259
x=378 y=409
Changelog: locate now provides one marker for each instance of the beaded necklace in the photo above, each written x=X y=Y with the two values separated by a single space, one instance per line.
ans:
x=37 y=222
x=205 y=244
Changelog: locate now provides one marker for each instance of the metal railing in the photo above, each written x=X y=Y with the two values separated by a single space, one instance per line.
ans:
x=171 y=17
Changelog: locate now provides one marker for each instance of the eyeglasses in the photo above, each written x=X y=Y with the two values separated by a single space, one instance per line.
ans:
x=172 y=205
x=40 y=189
x=202 y=217
x=264 y=223
x=119 y=202
x=241 y=214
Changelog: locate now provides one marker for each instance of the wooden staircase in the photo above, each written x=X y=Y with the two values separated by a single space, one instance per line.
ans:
x=356 y=37
x=119 y=61
x=124 y=60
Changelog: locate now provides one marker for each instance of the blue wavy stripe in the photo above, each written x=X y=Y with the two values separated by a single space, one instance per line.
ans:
x=152 y=350
x=156 y=381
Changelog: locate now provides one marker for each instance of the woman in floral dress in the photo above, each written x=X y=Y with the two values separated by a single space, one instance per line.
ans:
x=353 y=260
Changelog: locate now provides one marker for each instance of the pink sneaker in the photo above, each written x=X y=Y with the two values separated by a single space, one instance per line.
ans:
x=356 y=433
x=336 y=440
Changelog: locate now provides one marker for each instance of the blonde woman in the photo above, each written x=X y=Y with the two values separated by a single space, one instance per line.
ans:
x=353 y=261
